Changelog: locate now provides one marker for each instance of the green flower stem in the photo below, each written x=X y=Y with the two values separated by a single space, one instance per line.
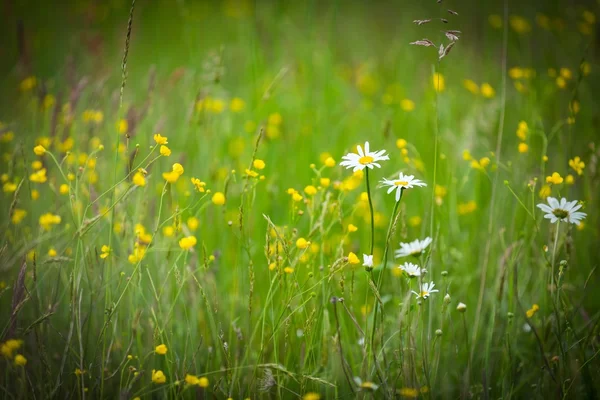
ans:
x=372 y=216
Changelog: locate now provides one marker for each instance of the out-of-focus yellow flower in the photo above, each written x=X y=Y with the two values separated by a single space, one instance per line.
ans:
x=165 y=151
x=407 y=105
x=401 y=143
x=105 y=251
x=161 y=349
x=139 y=179
x=352 y=228
x=237 y=104
x=439 y=83
x=302 y=243
x=329 y=162
x=39 y=150
x=577 y=164
x=487 y=90
x=310 y=190
x=198 y=185
x=495 y=21
x=531 y=312
x=353 y=258
x=47 y=220
x=193 y=223
x=159 y=139
x=17 y=216
x=545 y=191
x=471 y=86
x=555 y=179
x=523 y=147
x=158 y=377
x=519 y=24
x=188 y=242
x=259 y=164
x=218 y=199
x=467 y=208
x=20 y=360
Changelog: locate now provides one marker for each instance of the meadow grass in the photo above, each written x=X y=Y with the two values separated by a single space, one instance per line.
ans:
x=176 y=222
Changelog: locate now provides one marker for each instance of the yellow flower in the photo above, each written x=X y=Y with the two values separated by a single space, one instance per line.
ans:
x=586 y=68
x=193 y=223
x=259 y=164
x=173 y=175
x=324 y=182
x=28 y=83
x=161 y=349
x=409 y=392
x=275 y=119
x=439 y=84
x=471 y=86
x=415 y=221
x=178 y=168
x=289 y=270
x=566 y=73
x=561 y=82
x=47 y=220
x=188 y=242
x=302 y=243
x=353 y=259
x=159 y=139
x=122 y=126
x=577 y=165
x=39 y=150
x=352 y=228
x=407 y=105
x=401 y=143
x=198 y=185
x=545 y=191
x=543 y=21
x=9 y=187
x=35 y=194
x=64 y=189
x=569 y=179
x=522 y=130
x=105 y=251
x=52 y=252
x=329 y=162
x=38 y=176
x=523 y=147
x=158 y=377
x=203 y=382
x=191 y=379
x=487 y=90
x=467 y=208
x=519 y=24
x=484 y=162
x=531 y=312
x=555 y=179
x=20 y=361
x=139 y=179
x=310 y=190
x=311 y=396
x=250 y=173
x=495 y=21
x=17 y=216
x=467 y=155
x=218 y=199
x=296 y=196
x=165 y=151
x=237 y=104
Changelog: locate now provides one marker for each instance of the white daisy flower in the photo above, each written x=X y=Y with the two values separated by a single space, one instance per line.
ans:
x=414 y=248
x=403 y=182
x=426 y=290
x=563 y=211
x=367 y=260
x=411 y=269
x=363 y=159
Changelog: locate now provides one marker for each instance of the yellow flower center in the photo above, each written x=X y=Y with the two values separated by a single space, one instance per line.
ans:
x=400 y=183
x=560 y=213
x=365 y=160
x=423 y=294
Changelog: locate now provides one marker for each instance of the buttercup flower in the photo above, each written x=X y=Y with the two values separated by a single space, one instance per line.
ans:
x=403 y=182
x=414 y=248
x=363 y=159
x=158 y=376
x=563 y=211
x=425 y=291
x=161 y=349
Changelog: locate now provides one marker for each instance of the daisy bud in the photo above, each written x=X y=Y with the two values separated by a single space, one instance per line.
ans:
x=447 y=299
x=438 y=332
x=444 y=273
x=461 y=307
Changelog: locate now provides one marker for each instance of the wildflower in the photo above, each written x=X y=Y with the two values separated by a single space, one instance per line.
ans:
x=258 y=164
x=487 y=90
x=198 y=184
x=159 y=139
x=139 y=179
x=191 y=379
x=158 y=377
x=407 y=105
x=310 y=190
x=302 y=243
x=9 y=187
x=122 y=126
x=412 y=270
x=250 y=173
x=203 y=382
x=17 y=216
x=165 y=151
x=531 y=312
x=466 y=155
x=39 y=150
x=193 y=223
x=288 y=270
x=63 y=189
x=495 y=21
x=368 y=261
x=324 y=182
x=471 y=86
x=47 y=220
x=275 y=119
x=352 y=228
x=523 y=147
x=414 y=248
x=173 y=175
x=188 y=242
x=28 y=83
x=161 y=349
x=218 y=199
x=329 y=162
x=363 y=159
x=425 y=290
x=555 y=179
x=353 y=259
x=38 y=176
x=519 y=24
x=545 y=191
x=561 y=82
x=411 y=393
x=311 y=396
x=401 y=143
x=577 y=165
x=105 y=251
x=563 y=211
x=569 y=179
x=20 y=361
x=52 y=252
x=237 y=104
x=403 y=182
x=439 y=83
x=467 y=208
x=461 y=307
